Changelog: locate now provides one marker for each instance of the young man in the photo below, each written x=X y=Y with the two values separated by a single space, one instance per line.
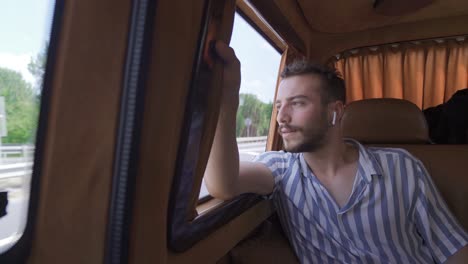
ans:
x=338 y=201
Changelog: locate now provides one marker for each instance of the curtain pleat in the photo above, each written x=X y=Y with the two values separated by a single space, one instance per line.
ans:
x=353 y=78
x=392 y=74
x=435 y=73
x=457 y=68
x=427 y=74
x=373 y=75
x=413 y=77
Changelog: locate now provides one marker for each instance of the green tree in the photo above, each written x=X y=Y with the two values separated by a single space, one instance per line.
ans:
x=240 y=123
x=37 y=65
x=21 y=107
x=257 y=111
x=264 y=124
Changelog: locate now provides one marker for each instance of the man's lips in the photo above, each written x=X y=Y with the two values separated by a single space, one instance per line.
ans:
x=286 y=130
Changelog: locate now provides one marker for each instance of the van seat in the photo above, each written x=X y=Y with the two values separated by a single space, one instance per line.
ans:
x=386 y=120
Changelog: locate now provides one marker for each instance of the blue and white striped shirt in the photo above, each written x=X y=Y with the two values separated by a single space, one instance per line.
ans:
x=393 y=215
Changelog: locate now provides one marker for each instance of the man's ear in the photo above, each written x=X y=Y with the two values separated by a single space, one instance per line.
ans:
x=337 y=111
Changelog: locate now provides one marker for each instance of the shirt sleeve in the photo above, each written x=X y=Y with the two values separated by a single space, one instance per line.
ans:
x=438 y=227
x=276 y=162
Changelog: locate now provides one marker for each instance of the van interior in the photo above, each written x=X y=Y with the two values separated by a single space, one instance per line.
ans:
x=130 y=99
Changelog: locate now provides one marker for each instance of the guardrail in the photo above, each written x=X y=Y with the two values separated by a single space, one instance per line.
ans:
x=16 y=161
x=21 y=150
x=20 y=156
x=15 y=170
x=243 y=140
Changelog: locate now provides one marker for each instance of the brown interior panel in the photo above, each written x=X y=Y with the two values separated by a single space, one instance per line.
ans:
x=321 y=29
x=338 y=16
x=79 y=145
x=175 y=39
x=287 y=20
x=215 y=246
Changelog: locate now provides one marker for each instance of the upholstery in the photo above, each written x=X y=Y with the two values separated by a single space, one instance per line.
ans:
x=386 y=120
x=267 y=244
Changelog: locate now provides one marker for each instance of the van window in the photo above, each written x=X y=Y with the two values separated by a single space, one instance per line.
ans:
x=259 y=68
x=25 y=30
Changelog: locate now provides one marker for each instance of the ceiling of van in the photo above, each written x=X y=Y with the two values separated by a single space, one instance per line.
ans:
x=339 y=16
x=320 y=29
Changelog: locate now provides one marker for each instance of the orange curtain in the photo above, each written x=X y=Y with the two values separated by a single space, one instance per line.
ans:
x=427 y=73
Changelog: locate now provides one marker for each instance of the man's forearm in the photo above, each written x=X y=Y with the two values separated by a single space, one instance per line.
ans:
x=222 y=171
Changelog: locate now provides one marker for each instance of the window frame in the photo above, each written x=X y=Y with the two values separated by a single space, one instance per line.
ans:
x=184 y=229
x=253 y=18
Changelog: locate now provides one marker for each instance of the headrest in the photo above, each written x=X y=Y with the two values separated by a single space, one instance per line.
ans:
x=386 y=120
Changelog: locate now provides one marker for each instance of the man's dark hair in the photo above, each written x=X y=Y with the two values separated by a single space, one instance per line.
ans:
x=334 y=89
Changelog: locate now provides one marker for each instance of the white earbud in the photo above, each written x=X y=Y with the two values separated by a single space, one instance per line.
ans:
x=334 y=118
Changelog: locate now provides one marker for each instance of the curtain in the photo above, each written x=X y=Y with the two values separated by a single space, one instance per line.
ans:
x=426 y=73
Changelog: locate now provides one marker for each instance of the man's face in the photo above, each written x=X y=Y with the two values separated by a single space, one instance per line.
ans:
x=302 y=118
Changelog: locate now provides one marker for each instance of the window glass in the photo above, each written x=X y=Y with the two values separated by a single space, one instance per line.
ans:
x=25 y=30
x=259 y=68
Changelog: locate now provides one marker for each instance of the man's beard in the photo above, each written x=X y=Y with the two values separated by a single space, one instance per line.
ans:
x=313 y=138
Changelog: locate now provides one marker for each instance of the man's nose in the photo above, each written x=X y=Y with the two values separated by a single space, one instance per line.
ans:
x=283 y=116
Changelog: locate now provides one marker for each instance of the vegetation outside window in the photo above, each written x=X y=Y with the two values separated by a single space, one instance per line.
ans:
x=23 y=51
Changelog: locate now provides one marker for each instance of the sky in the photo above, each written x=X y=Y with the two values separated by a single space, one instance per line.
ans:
x=25 y=28
x=259 y=61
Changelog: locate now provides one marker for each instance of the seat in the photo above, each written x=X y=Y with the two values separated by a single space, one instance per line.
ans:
x=400 y=123
x=386 y=120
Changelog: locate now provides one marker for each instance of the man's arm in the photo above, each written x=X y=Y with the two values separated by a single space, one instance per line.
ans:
x=224 y=177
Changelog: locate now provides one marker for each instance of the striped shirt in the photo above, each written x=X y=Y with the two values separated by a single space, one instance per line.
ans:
x=393 y=215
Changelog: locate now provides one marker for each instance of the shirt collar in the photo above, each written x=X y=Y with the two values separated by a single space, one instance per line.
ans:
x=368 y=165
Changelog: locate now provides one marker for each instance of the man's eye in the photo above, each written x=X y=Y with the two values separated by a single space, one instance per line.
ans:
x=297 y=103
x=278 y=107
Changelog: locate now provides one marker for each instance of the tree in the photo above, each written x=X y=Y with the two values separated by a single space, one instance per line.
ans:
x=37 y=65
x=264 y=124
x=257 y=111
x=21 y=107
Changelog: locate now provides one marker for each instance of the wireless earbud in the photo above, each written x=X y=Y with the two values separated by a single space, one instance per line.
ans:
x=334 y=118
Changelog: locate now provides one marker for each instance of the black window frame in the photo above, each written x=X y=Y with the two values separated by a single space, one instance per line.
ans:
x=182 y=232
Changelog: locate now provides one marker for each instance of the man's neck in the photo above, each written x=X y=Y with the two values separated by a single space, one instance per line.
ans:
x=327 y=161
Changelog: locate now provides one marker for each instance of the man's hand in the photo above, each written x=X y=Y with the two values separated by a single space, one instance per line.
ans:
x=231 y=77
